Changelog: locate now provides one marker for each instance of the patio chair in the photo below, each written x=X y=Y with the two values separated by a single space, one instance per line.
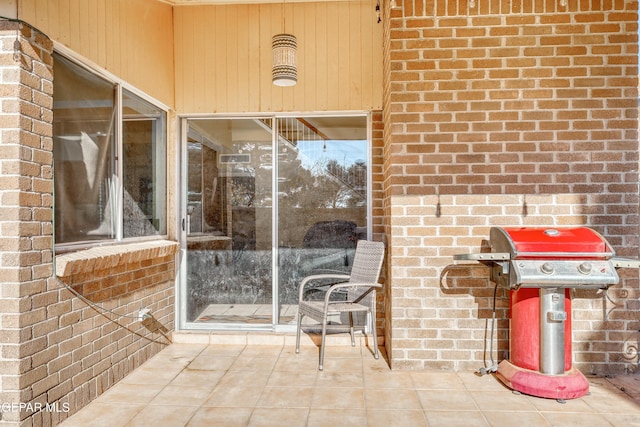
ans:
x=360 y=287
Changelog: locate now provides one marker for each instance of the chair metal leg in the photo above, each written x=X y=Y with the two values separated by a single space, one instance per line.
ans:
x=375 y=336
x=324 y=334
x=353 y=340
x=298 y=332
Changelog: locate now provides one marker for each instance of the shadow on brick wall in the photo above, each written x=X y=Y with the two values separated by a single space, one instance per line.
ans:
x=492 y=307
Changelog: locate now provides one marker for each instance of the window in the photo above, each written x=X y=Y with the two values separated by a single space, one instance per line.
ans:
x=96 y=122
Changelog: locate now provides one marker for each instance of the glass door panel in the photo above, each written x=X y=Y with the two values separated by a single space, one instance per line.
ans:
x=322 y=199
x=229 y=222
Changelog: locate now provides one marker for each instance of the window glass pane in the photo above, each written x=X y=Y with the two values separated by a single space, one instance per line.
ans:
x=144 y=165
x=84 y=155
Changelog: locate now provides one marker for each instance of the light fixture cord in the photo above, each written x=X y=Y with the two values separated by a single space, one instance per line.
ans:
x=284 y=20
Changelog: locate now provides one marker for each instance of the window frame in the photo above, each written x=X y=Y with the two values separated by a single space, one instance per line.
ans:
x=119 y=86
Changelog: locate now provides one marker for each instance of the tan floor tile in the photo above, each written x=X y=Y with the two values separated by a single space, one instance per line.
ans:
x=182 y=396
x=275 y=417
x=334 y=398
x=344 y=351
x=173 y=362
x=446 y=400
x=304 y=362
x=238 y=389
x=244 y=379
x=623 y=420
x=165 y=416
x=375 y=365
x=509 y=419
x=211 y=363
x=456 y=419
x=182 y=350
x=552 y=405
x=285 y=397
x=261 y=351
x=436 y=380
x=261 y=385
x=103 y=415
x=403 y=418
x=184 y=337
x=223 y=350
x=392 y=398
x=340 y=379
x=285 y=379
x=393 y=379
x=337 y=417
x=602 y=387
x=255 y=363
x=333 y=364
x=235 y=397
x=572 y=419
x=231 y=417
x=305 y=350
x=131 y=393
x=197 y=378
x=501 y=401
x=486 y=382
x=613 y=404
x=148 y=375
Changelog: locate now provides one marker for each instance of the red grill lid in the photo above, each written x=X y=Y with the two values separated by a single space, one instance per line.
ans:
x=562 y=240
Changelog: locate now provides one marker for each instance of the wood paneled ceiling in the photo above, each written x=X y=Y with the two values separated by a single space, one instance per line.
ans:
x=200 y=2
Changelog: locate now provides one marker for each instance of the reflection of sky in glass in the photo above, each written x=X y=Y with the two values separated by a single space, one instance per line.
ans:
x=313 y=154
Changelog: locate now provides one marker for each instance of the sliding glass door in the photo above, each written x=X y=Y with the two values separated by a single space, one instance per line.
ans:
x=266 y=202
x=322 y=200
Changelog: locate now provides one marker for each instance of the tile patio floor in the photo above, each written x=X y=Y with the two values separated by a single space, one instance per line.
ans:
x=202 y=384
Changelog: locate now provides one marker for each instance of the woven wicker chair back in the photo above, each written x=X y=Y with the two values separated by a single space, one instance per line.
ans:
x=366 y=264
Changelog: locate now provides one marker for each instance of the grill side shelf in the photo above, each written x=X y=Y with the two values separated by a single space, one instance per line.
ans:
x=489 y=256
x=619 y=262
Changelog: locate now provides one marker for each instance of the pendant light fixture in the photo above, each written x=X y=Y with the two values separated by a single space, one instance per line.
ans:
x=284 y=71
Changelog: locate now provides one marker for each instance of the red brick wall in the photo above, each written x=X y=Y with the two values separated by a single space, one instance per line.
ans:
x=506 y=114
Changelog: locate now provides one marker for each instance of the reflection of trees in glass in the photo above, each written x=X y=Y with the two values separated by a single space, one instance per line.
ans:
x=243 y=191
x=247 y=190
x=352 y=183
x=324 y=185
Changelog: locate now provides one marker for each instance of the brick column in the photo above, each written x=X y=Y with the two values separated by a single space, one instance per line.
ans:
x=519 y=113
x=26 y=239
x=58 y=350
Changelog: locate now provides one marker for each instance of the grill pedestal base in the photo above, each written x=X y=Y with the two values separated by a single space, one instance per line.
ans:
x=570 y=385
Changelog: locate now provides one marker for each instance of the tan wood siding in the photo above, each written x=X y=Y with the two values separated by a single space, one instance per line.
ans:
x=132 y=39
x=223 y=52
x=223 y=57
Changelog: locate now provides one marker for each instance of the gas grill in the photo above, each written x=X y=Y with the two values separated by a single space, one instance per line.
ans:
x=543 y=258
x=540 y=266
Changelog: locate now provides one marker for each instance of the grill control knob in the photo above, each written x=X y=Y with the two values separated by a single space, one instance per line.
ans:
x=585 y=268
x=547 y=268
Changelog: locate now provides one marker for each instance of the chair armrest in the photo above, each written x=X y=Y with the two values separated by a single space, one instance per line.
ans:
x=347 y=285
x=330 y=271
x=303 y=283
